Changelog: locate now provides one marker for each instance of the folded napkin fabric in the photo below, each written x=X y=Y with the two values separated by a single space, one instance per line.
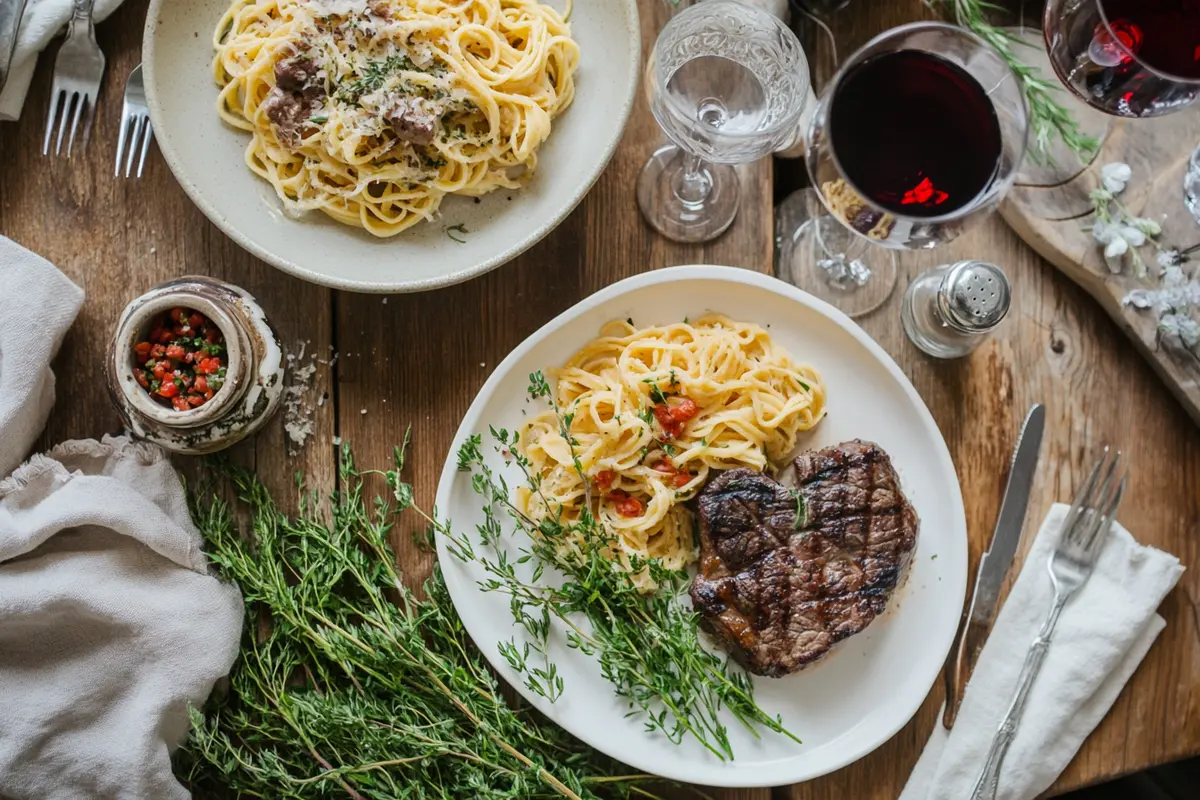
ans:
x=110 y=624
x=1102 y=636
x=37 y=305
x=42 y=21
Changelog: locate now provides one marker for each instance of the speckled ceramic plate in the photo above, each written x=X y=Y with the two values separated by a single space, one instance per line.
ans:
x=208 y=159
x=870 y=685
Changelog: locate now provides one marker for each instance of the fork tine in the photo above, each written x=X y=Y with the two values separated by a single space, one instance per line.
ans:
x=62 y=123
x=79 y=110
x=55 y=104
x=1083 y=499
x=135 y=135
x=1104 y=518
x=122 y=137
x=146 y=140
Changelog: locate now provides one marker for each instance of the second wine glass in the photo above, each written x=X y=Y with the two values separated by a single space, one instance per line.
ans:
x=728 y=84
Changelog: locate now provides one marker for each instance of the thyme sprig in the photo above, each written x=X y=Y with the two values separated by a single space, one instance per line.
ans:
x=348 y=685
x=1047 y=116
x=648 y=646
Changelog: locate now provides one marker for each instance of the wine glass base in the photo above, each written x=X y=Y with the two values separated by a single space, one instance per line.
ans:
x=676 y=218
x=818 y=255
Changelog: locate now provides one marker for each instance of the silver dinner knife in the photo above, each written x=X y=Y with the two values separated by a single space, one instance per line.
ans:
x=11 y=12
x=995 y=563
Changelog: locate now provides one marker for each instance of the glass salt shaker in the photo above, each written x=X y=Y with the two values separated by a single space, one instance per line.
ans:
x=949 y=310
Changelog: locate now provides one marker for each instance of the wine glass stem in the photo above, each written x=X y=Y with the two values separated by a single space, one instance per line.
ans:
x=693 y=184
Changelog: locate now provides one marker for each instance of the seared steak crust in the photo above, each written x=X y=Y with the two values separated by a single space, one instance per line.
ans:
x=780 y=591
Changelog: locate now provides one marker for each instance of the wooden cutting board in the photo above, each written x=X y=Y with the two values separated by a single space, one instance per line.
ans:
x=1050 y=210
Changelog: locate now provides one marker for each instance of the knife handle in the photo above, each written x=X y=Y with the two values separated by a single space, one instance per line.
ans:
x=958 y=670
x=971 y=635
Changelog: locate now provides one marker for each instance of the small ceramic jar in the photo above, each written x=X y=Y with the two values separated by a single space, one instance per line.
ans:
x=254 y=365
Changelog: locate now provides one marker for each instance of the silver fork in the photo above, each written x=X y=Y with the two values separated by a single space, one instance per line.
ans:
x=135 y=125
x=1084 y=532
x=77 y=74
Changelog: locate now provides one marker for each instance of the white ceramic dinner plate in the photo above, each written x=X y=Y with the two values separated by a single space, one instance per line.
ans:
x=208 y=159
x=870 y=685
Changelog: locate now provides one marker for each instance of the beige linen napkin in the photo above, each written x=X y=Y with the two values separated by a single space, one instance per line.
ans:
x=42 y=21
x=1102 y=636
x=110 y=625
x=37 y=305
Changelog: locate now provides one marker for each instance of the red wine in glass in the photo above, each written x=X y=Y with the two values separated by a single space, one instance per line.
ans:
x=1131 y=58
x=914 y=133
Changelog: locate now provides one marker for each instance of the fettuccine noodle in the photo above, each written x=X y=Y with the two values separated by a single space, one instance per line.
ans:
x=746 y=401
x=372 y=111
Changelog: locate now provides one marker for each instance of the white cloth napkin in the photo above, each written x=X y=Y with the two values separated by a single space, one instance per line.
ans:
x=42 y=21
x=37 y=305
x=110 y=624
x=1102 y=636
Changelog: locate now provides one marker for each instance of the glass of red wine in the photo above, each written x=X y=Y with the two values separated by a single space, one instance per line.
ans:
x=1129 y=58
x=918 y=134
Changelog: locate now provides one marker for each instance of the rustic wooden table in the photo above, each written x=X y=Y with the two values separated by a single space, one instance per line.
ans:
x=420 y=359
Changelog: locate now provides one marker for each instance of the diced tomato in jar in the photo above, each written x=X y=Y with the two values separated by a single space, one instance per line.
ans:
x=625 y=505
x=185 y=353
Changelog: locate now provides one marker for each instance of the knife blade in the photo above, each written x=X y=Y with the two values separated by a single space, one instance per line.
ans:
x=11 y=12
x=994 y=565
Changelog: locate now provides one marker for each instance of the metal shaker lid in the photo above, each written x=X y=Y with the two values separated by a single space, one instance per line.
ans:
x=974 y=296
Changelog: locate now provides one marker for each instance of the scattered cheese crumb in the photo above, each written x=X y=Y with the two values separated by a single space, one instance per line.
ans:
x=297 y=415
x=482 y=364
x=385 y=301
x=364 y=411
x=337 y=441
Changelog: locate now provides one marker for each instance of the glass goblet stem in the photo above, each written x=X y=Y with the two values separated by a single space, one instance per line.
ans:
x=692 y=184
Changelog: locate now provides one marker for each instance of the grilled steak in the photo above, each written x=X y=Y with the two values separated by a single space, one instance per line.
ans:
x=786 y=573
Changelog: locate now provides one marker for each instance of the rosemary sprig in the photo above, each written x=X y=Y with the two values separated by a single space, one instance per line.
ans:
x=1047 y=116
x=348 y=685
x=648 y=646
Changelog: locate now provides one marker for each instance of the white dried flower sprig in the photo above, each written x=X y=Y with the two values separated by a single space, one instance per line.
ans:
x=1120 y=232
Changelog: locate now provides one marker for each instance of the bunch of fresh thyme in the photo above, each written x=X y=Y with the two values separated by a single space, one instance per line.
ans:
x=1047 y=117
x=347 y=685
x=648 y=645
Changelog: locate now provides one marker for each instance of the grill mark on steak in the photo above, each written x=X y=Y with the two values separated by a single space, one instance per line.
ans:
x=778 y=595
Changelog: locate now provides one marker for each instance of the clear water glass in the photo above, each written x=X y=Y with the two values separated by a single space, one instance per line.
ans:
x=727 y=83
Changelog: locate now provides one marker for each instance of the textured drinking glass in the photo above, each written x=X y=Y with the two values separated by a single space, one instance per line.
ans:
x=1099 y=50
x=836 y=255
x=727 y=83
